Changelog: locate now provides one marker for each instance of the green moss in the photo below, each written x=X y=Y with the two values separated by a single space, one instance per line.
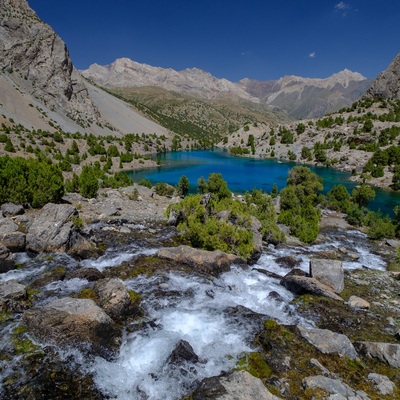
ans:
x=22 y=344
x=25 y=346
x=135 y=297
x=4 y=316
x=255 y=364
x=32 y=293
x=88 y=293
x=277 y=342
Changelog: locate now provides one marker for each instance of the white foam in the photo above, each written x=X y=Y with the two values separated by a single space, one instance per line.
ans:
x=114 y=259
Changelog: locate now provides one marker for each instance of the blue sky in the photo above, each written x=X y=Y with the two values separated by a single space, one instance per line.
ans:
x=259 y=39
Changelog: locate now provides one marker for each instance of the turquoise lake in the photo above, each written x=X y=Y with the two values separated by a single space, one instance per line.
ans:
x=244 y=174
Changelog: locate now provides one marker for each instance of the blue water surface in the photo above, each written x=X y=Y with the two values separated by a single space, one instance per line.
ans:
x=245 y=174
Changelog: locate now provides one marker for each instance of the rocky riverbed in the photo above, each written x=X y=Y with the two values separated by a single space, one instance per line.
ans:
x=99 y=301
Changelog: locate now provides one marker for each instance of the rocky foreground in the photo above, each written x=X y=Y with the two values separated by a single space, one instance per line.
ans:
x=352 y=351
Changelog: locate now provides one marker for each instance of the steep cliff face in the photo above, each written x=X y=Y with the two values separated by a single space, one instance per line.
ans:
x=387 y=84
x=36 y=59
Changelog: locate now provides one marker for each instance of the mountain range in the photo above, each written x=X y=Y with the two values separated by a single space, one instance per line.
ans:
x=41 y=89
x=296 y=96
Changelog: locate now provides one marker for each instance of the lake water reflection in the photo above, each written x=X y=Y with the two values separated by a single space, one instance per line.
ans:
x=244 y=174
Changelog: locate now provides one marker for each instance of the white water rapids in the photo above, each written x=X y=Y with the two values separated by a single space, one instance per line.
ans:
x=198 y=310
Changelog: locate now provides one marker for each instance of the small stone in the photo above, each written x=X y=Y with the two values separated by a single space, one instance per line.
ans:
x=182 y=352
x=11 y=209
x=358 y=302
x=383 y=384
x=12 y=296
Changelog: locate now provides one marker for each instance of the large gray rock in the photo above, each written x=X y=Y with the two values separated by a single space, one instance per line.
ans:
x=114 y=299
x=53 y=230
x=13 y=296
x=382 y=383
x=14 y=241
x=74 y=322
x=388 y=353
x=304 y=284
x=340 y=390
x=329 y=342
x=11 y=209
x=202 y=261
x=239 y=385
x=328 y=272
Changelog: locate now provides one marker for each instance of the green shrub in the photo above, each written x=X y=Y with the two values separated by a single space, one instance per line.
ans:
x=162 y=189
x=183 y=186
x=30 y=181
x=145 y=183
x=339 y=198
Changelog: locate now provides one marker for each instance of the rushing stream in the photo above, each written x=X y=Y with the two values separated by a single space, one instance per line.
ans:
x=210 y=314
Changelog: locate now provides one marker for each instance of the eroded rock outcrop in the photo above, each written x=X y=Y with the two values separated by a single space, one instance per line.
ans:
x=387 y=84
x=36 y=56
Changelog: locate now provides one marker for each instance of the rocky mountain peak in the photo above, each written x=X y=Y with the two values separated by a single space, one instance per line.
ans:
x=387 y=84
x=37 y=60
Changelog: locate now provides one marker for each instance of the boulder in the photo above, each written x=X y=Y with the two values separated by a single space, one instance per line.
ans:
x=90 y=274
x=328 y=272
x=4 y=252
x=257 y=240
x=11 y=209
x=388 y=353
x=13 y=296
x=75 y=322
x=202 y=261
x=7 y=225
x=14 y=241
x=53 y=230
x=382 y=383
x=183 y=352
x=340 y=390
x=114 y=299
x=304 y=284
x=288 y=262
x=358 y=302
x=239 y=385
x=328 y=342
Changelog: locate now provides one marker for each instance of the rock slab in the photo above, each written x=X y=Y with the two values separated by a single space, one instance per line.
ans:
x=239 y=385
x=388 y=353
x=329 y=342
x=202 y=261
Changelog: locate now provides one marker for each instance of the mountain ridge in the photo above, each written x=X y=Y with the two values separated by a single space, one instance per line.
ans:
x=289 y=93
